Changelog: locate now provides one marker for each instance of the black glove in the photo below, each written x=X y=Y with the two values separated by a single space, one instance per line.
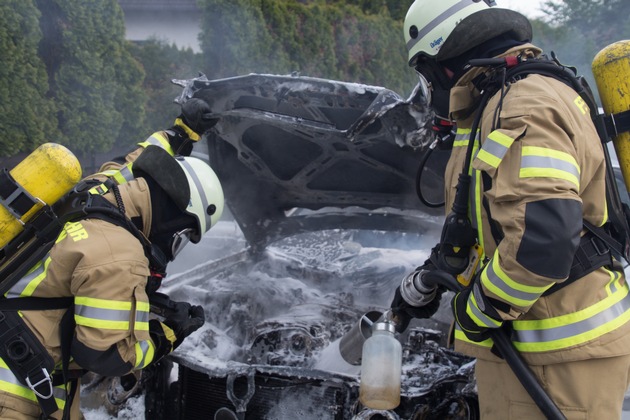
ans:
x=194 y=120
x=184 y=319
x=489 y=316
x=197 y=116
x=404 y=312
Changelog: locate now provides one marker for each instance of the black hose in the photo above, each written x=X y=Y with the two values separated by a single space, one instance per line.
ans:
x=423 y=163
x=506 y=349
x=524 y=374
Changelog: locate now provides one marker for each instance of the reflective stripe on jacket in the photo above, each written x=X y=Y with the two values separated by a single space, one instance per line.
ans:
x=538 y=169
x=124 y=173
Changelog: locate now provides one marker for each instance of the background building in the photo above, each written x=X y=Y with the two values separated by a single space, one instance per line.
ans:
x=173 y=21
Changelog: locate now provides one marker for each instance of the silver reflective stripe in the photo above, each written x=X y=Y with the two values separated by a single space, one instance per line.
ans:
x=144 y=347
x=17 y=388
x=155 y=141
x=142 y=316
x=495 y=149
x=475 y=201
x=102 y=314
x=126 y=173
x=20 y=287
x=574 y=329
x=7 y=376
x=496 y=281
x=487 y=321
x=59 y=393
x=437 y=21
x=549 y=163
x=200 y=190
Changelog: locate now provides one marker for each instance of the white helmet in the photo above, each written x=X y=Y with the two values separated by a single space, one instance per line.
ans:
x=206 y=195
x=189 y=182
x=442 y=29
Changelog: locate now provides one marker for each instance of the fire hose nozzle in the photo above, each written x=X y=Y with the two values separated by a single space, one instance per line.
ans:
x=416 y=292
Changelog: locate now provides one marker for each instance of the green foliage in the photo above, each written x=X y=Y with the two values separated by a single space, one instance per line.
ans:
x=93 y=78
x=27 y=116
x=578 y=29
x=234 y=37
x=354 y=41
x=162 y=62
x=69 y=76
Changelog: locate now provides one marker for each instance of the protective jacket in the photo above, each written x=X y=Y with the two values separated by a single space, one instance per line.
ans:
x=538 y=171
x=103 y=267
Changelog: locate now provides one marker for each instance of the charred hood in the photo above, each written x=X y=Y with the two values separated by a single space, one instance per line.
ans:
x=298 y=153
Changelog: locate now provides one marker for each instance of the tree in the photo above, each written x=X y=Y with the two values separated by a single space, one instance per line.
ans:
x=582 y=28
x=27 y=115
x=93 y=78
x=357 y=42
x=162 y=63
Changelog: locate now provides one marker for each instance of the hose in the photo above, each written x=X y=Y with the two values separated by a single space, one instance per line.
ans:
x=509 y=353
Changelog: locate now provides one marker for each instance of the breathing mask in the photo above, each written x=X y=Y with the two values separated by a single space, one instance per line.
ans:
x=435 y=86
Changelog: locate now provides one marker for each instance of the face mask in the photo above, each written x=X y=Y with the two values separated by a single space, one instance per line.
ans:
x=179 y=240
x=435 y=86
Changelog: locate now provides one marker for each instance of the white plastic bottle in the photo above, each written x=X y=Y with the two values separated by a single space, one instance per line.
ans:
x=381 y=368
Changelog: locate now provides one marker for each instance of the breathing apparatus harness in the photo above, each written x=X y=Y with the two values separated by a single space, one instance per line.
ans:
x=23 y=353
x=597 y=245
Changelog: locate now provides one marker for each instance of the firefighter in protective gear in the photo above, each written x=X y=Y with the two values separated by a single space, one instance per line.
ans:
x=538 y=175
x=103 y=267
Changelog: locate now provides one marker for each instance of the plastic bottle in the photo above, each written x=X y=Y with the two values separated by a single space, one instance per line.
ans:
x=381 y=368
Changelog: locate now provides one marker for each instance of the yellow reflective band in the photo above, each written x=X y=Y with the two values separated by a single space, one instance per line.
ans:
x=475 y=208
x=142 y=316
x=145 y=352
x=9 y=383
x=158 y=139
x=575 y=328
x=36 y=281
x=496 y=281
x=459 y=335
x=615 y=282
x=102 y=313
x=495 y=148
x=169 y=333
x=102 y=303
x=191 y=134
x=124 y=175
x=461 y=137
x=99 y=190
x=98 y=323
x=539 y=162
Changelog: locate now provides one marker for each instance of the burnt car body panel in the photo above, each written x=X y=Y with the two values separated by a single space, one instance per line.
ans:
x=318 y=175
x=284 y=142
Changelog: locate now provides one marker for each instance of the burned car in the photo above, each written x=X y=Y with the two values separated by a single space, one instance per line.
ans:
x=320 y=179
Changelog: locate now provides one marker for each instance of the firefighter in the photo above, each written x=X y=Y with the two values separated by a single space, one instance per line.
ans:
x=107 y=265
x=537 y=172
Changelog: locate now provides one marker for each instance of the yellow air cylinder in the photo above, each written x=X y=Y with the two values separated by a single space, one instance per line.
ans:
x=46 y=175
x=611 y=68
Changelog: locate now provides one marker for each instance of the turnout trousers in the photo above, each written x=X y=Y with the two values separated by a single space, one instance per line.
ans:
x=583 y=389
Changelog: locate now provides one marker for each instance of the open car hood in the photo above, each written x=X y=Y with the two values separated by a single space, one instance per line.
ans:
x=289 y=142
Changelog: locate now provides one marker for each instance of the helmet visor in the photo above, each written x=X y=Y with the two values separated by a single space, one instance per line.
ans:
x=426 y=88
x=180 y=239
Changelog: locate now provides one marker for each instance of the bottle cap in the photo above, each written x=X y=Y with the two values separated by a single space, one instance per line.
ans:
x=384 y=326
